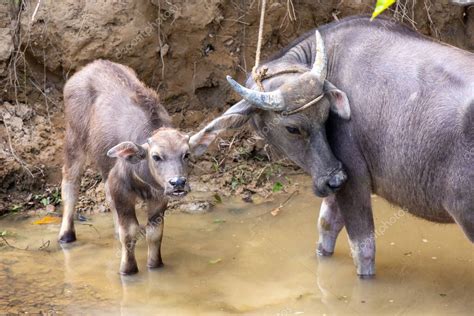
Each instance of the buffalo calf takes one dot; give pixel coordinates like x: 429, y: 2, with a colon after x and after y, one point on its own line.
x: 116, y: 122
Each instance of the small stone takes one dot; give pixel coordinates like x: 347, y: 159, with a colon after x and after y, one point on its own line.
x: 23, y: 111
x: 163, y: 50
x: 247, y: 198
x: 424, y: 240
x: 15, y: 123
x: 50, y: 208
x: 196, y: 207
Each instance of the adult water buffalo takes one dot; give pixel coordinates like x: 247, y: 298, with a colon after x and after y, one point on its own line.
x: 402, y: 125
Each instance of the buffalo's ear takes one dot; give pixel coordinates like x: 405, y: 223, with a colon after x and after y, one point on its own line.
x: 233, y: 118
x: 338, y: 99
x: 129, y: 151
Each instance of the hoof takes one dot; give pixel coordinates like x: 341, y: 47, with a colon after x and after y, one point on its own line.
x: 129, y: 271
x: 67, y: 237
x: 322, y: 252
x: 366, y: 276
x: 153, y: 266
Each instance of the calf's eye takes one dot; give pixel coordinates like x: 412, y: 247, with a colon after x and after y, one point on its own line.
x: 293, y: 130
x: 186, y: 156
x: 157, y: 158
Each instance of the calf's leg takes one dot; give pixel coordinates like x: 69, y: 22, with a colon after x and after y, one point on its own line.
x: 124, y: 206
x: 110, y: 203
x: 128, y: 230
x: 330, y: 223
x: 154, y: 232
x: 71, y: 172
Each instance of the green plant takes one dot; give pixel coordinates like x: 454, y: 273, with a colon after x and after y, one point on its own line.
x: 277, y: 187
x: 381, y: 6
x: 51, y: 196
x: 16, y: 208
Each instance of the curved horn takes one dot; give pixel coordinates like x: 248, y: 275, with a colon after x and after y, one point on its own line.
x: 264, y: 100
x: 320, y: 63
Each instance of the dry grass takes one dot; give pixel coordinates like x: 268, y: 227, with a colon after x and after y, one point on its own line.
x: 20, y: 76
x: 405, y: 11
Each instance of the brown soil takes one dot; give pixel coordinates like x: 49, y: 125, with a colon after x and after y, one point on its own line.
x: 183, y: 49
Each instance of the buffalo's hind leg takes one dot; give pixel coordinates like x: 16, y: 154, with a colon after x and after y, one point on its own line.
x: 466, y: 221
x: 330, y: 224
x: 71, y: 181
x: 461, y: 208
x: 459, y: 201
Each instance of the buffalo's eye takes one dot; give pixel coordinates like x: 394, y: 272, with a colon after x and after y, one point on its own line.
x: 186, y: 156
x: 157, y: 158
x: 293, y: 130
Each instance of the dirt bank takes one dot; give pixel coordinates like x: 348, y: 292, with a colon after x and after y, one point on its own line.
x: 183, y: 49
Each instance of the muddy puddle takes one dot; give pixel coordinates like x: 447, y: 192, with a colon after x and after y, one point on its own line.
x: 240, y: 259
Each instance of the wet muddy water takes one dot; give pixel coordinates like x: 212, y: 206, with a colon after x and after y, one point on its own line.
x: 241, y: 259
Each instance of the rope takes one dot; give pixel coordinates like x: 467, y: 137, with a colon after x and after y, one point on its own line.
x: 258, y: 75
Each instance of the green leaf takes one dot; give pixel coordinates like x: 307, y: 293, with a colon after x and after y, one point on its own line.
x: 381, y: 6
x: 277, y: 187
x: 219, y: 221
x: 235, y: 183
x: 215, y: 261
x: 16, y: 208
x: 45, y: 201
x: 218, y: 198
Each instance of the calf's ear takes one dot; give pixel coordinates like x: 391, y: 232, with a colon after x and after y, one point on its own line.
x: 129, y: 151
x: 338, y: 100
x: 233, y: 118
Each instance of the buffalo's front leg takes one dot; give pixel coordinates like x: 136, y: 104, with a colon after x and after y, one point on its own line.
x: 330, y: 224
x: 128, y: 228
x: 353, y: 201
x: 355, y: 206
x: 154, y: 232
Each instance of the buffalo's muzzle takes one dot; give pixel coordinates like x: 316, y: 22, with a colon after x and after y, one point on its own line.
x: 336, y: 181
x: 327, y: 185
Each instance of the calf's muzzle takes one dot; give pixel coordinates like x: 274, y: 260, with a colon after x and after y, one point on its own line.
x: 178, y: 186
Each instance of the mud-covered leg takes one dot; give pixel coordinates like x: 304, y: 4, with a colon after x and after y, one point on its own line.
x: 354, y: 203
x: 154, y: 232
x: 111, y: 205
x: 124, y: 206
x: 128, y: 230
x: 330, y: 224
x: 355, y: 206
x: 71, y: 172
